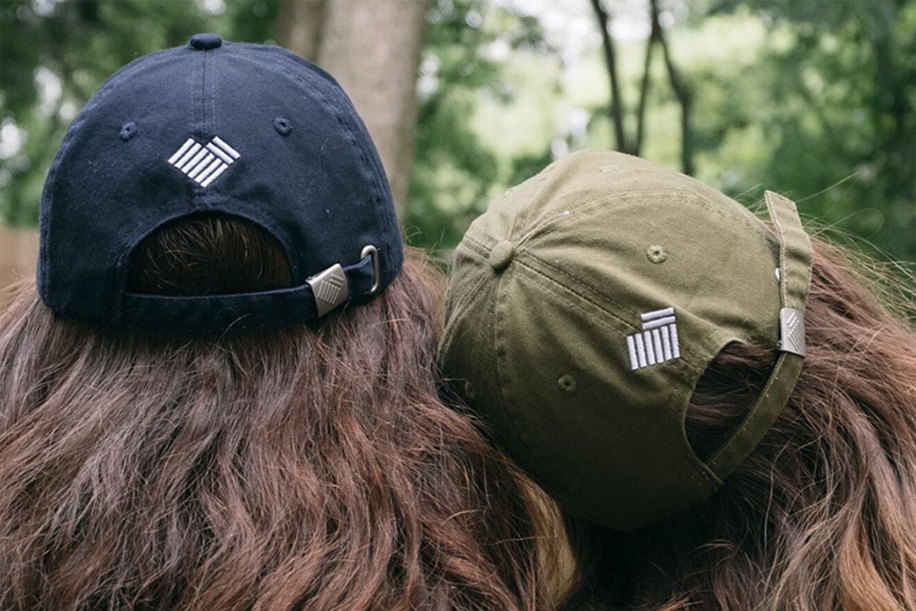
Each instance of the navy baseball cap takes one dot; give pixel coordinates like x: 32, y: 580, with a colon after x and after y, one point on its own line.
x: 250, y: 131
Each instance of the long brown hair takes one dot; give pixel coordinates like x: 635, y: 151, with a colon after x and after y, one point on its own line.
x: 822, y: 516
x: 311, y: 468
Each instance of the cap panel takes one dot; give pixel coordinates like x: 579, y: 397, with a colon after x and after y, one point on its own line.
x: 101, y: 187
x: 609, y: 442
x: 725, y: 289
x: 586, y: 176
x: 319, y: 187
x: 331, y: 207
x: 596, y: 253
x: 343, y: 191
x: 468, y: 351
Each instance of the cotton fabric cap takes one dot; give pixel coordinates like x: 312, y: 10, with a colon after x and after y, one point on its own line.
x: 585, y: 305
x: 249, y: 131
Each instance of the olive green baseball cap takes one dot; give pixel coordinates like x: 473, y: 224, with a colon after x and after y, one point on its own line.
x: 585, y: 305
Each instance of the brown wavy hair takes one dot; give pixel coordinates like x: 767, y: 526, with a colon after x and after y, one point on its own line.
x: 312, y: 468
x: 822, y: 516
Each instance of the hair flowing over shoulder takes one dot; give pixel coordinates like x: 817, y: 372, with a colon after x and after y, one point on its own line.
x: 309, y: 468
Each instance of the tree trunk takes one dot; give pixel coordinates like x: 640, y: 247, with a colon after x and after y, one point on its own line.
x: 300, y: 25
x: 18, y: 258
x: 610, y: 60
x: 373, y: 50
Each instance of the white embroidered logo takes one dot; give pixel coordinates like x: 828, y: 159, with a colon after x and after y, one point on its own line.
x: 203, y: 164
x: 658, y: 341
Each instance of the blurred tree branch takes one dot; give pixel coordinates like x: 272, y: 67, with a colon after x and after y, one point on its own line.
x: 680, y: 88
x: 610, y: 60
x: 681, y: 91
x: 654, y: 34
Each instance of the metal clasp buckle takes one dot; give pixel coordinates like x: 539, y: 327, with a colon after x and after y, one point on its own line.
x: 373, y: 252
x: 792, y: 331
x: 330, y: 288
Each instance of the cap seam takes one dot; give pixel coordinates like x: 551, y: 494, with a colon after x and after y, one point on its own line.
x: 541, y: 179
x: 505, y: 395
x: 583, y: 311
x: 504, y: 391
x: 212, y: 76
x: 692, y: 180
x: 200, y: 195
x: 542, y: 224
x: 698, y: 199
x: 470, y: 295
x: 597, y: 305
x: 592, y: 301
x: 484, y: 249
x: 697, y: 467
x: 359, y: 143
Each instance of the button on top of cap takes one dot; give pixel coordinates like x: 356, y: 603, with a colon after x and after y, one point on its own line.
x: 501, y: 256
x: 204, y: 42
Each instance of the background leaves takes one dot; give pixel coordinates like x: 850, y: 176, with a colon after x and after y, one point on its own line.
x: 813, y: 98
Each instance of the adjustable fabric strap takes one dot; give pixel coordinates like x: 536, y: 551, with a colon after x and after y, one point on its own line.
x: 241, y: 311
x: 795, y: 278
x: 794, y: 251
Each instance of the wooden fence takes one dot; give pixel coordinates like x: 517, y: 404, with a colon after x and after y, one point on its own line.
x: 18, y: 257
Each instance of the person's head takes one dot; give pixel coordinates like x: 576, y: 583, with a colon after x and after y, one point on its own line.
x: 311, y: 467
x: 635, y: 349
x: 221, y: 393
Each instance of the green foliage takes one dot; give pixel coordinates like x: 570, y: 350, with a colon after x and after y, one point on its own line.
x: 56, y: 53
x: 838, y: 112
x: 54, y: 56
x: 454, y: 171
x: 815, y: 98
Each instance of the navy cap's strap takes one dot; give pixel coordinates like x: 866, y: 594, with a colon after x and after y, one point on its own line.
x: 239, y: 311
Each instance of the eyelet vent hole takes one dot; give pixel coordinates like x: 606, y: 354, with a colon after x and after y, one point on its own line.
x: 283, y: 126
x: 568, y: 384
x: 128, y: 130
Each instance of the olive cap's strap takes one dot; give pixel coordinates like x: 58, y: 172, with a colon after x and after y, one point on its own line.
x: 794, y: 280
